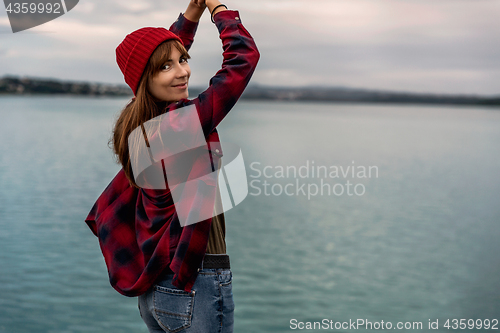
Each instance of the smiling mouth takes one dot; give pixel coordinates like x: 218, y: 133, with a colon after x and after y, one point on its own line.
x: 182, y: 85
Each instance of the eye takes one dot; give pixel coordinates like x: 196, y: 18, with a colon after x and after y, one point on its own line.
x: 182, y: 60
x: 166, y: 67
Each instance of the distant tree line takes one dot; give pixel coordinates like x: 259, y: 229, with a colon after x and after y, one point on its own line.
x: 22, y: 86
x: 362, y: 95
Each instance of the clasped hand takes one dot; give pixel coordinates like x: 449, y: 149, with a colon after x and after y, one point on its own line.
x: 198, y: 3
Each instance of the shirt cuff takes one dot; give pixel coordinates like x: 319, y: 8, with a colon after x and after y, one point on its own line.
x: 185, y: 27
x: 226, y: 17
x: 187, y: 24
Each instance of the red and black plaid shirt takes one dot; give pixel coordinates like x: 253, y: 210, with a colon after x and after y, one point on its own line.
x: 138, y: 229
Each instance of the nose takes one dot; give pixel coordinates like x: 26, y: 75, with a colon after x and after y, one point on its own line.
x: 182, y: 70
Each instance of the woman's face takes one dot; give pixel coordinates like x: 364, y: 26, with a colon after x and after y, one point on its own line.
x: 171, y: 83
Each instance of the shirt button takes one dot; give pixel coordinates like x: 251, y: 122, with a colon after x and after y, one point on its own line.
x: 198, y: 269
x: 236, y: 18
x: 216, y: 150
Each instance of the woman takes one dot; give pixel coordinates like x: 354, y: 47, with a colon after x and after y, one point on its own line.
x: 181, y: 273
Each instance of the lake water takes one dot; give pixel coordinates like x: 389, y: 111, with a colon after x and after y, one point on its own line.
x: 415, y: 240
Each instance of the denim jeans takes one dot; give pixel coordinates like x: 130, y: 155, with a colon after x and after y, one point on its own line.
x: 208, y: 308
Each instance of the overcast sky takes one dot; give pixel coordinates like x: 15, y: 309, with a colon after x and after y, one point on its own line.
x: 440, y: 46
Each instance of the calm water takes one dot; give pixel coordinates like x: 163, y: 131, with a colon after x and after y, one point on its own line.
x: 420, y: 243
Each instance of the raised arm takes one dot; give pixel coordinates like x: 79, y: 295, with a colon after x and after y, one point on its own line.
x: 186, y: 24
x: 240, y: 58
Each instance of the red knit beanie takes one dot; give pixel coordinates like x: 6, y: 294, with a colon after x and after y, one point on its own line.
x: 134, y: 51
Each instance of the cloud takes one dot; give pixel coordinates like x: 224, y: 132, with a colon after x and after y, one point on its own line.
x: 443, y: 45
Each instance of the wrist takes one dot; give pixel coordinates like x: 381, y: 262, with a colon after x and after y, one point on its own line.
x: 211, y: 4
x: 219, y: 7
x: 194, y: 12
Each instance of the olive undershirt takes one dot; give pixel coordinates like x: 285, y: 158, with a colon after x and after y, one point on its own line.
x: 216, y: 239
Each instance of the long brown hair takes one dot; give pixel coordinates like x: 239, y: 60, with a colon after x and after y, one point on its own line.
x: 143, y: 108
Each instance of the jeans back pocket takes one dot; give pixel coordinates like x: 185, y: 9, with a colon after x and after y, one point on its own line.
x: 173, y: 308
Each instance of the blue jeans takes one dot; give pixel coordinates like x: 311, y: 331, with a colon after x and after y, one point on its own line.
x: 208, y: 308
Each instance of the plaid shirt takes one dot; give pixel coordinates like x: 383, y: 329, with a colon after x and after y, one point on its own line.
x: 138, y: 229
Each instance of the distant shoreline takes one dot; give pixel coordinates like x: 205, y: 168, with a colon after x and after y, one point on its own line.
x: 12, y: 85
